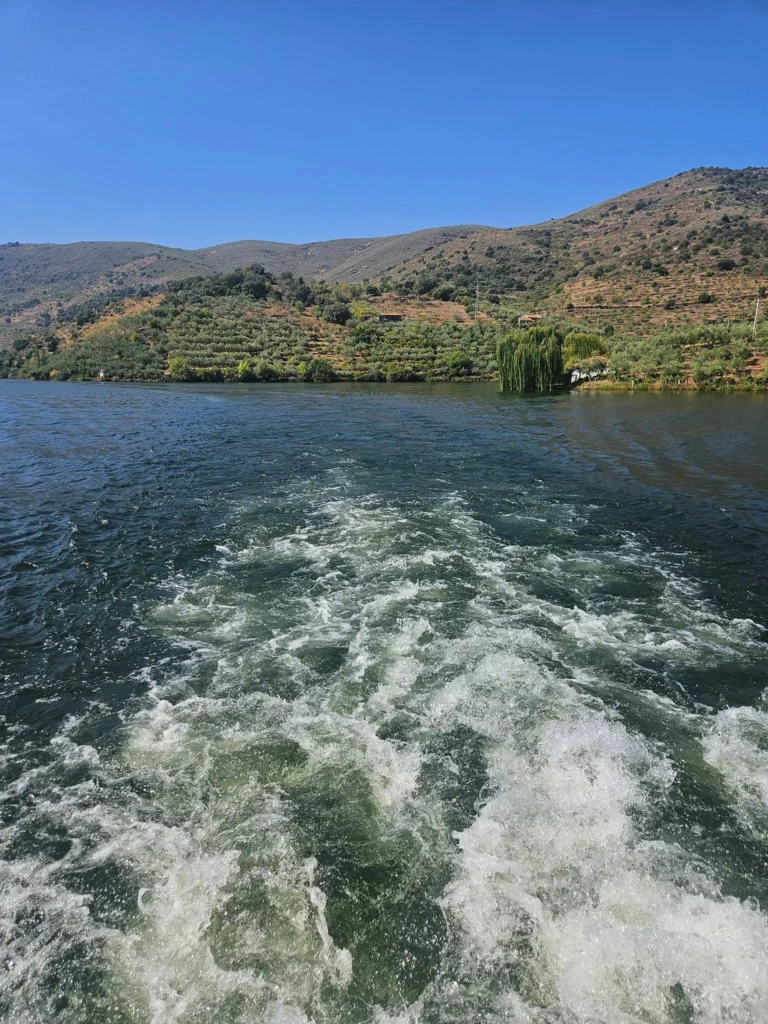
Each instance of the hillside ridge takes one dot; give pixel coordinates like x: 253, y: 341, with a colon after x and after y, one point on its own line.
x: 688, y: 249
x: 683, y: 250
x: 37, y: 276
x: 249, y: 325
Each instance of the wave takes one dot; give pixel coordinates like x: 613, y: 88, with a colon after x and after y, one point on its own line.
x: 402, y: 769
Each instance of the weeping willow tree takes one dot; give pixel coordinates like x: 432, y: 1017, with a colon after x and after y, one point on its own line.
x: 531, y: 360
x: 581, y: 345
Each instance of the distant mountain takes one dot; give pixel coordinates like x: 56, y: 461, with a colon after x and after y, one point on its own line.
x: 345, y: 259
x: 690, y: 249
x: 36, y: 278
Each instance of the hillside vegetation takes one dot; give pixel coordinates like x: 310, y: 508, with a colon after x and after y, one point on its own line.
x: 666, y: 277
x: 36, y: 281
x: 250, y: 325
x: 689, y: 250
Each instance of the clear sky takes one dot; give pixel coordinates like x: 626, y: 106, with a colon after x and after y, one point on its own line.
x: 191, y: 122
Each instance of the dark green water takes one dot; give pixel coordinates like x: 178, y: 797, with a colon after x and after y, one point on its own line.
x: 382, y: 704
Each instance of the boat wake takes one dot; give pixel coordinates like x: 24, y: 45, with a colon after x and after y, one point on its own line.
x: 400, y: 769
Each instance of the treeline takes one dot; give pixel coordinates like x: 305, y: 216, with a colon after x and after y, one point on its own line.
x: 333, y: 303
x: 711, y: 357
x: 249, y: 325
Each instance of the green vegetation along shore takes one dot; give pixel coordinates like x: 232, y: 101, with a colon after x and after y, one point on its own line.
x: 248, y: 325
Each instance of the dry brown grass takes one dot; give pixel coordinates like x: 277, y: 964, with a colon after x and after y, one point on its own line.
x: 126, y: 307
x: 553, y: 257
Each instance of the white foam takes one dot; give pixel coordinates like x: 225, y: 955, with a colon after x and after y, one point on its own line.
x: 614, y: 923
x: 736, y: 744
x: 560, y: 909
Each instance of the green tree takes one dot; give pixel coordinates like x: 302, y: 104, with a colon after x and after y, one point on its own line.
x: 459, y: 364
x: 265, y: 371
x: 362, y: 310
x: 320, y: 370
x: 336, y: 312
x: 179, y: 368
x: 531, y: 360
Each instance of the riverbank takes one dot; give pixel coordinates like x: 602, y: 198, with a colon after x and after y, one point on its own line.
x: 252, y: 327
x: 747, y: 387
x: 606, y: 385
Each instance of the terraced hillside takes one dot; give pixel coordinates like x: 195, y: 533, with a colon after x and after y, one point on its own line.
x: 691, y: 249
x: 645, y: 270
x: 250, y: 325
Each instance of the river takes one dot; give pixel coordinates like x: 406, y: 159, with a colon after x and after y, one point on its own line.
x: 387, y: 704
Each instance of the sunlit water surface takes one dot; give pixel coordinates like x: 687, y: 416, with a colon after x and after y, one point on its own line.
x: 382, y: 704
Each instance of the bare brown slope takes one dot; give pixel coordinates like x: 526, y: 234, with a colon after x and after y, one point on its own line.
x: 67, y: 271
x: 688, y: 249
x: 343, y: 259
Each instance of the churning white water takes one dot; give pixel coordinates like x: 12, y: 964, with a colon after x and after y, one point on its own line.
x: 398, y: 769
x: 382, y: 705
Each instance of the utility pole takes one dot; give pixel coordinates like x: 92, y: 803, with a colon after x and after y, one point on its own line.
x: 477, y: 297
x: 757, y: 310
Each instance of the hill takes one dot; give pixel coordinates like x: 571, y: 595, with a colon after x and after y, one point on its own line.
x: 37, y: 280
x: 345, y: 259
x: 688, y: 250
x: 661, y: 274
x: 250, y: 325
x: 691, y: 249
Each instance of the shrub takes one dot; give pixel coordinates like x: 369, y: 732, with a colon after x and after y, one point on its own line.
x: 459, y: 364
x: 396, y: 373
x: 336, y: 312
x: 705, y: 368
x: 179, y: 368
x: 266, y: 372
x: 362, y: 310
x: 705, y: 298
x: 319, y: 370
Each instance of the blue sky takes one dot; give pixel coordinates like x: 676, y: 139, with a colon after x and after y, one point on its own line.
x: 189, y: 122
